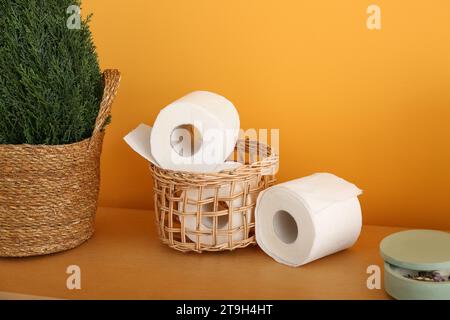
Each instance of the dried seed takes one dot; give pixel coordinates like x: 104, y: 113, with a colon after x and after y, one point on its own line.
x: 430, y: 276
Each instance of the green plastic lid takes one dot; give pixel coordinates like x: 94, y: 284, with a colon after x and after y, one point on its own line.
x: 420, y: 250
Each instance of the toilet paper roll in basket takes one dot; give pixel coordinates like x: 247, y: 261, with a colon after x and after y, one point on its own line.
x: 308, y: 218
x: 228, y: 196
x: 196, y: 133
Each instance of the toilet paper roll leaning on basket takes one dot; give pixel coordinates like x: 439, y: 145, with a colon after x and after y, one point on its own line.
x: 213, y: 211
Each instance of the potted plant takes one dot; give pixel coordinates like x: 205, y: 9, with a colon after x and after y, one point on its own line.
x: 54, y: 105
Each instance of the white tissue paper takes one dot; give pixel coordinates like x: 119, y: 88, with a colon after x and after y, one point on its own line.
x: 206, y: 224
x: 196, y: 133
x: 139, y: 141
x: 306, y: 219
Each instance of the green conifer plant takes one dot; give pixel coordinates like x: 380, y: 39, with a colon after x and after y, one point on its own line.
x: 51, y: 84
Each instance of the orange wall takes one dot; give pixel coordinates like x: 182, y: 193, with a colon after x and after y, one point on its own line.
x: 370, y: 106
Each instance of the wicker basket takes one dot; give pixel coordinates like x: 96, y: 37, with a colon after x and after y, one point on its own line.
x: 48, y: 194
x: 213, y: 212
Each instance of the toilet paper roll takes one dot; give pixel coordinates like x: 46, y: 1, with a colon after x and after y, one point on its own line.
x: 306, y: 219
x: 195, y: 133
x: 206, y: 224
x: 139, y: 141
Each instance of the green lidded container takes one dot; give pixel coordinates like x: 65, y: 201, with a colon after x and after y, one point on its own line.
x: 410, y: 252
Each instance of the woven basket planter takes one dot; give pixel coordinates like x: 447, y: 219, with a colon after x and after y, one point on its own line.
x: 213, y: 212
x: 48, y: 194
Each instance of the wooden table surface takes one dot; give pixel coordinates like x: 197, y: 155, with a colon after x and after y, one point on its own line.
x: 125, y: 260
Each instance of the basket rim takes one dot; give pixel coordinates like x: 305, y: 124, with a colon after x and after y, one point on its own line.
x: 246, y: 170
x: 44, y: 146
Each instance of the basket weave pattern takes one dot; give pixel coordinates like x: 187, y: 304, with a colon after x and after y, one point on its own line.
x: 48, y: 194
x: 190, y: 208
